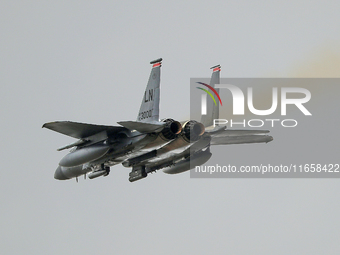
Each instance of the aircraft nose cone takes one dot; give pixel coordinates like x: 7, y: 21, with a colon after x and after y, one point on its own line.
x: 59, y: 175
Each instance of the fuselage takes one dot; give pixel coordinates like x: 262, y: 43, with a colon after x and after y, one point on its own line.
x: 132, y: 149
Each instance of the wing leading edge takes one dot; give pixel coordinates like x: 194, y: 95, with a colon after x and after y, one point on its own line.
x: 80, y: 130
x: 240, y: 139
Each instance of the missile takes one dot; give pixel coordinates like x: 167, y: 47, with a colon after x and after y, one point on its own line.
x: 137, y: 173
x: 96, y: 174
x: 84, y: 155
x: 140, y: 158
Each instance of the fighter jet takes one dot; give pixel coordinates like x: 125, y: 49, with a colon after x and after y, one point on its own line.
x: 147, y: 144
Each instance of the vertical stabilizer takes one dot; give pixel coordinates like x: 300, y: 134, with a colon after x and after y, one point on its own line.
x: 149, y: 109
x: 213, y: 106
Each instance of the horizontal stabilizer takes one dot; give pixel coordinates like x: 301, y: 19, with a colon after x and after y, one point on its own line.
x: 80, y: 130
x: 239, y: 132
x: 143, y: 127
x: 241, y: 139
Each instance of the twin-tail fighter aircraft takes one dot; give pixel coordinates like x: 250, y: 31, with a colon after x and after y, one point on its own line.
x: 147, y: 144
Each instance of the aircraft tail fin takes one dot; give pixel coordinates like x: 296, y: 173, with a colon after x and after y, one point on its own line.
x: 212, y: 104
x: 149, y: 109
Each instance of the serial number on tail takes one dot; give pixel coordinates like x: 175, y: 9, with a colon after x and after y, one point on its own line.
x: 145, y: 115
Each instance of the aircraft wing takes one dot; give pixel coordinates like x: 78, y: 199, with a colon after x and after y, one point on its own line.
x: 239, y: 139
x: 80, y: 130
x: 143, y: 127
x: 238, y: 132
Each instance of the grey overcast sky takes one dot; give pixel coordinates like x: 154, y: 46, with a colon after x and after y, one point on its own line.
x: 88, y: 61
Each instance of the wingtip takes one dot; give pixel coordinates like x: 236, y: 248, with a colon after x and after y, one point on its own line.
x: 270, y: 138
x: 48, y: 123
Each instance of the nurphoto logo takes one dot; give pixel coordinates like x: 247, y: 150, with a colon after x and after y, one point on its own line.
x: 238, y: 105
